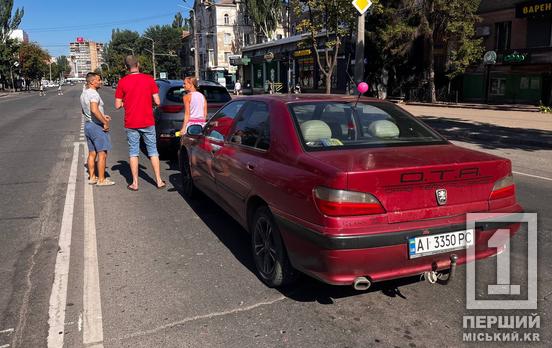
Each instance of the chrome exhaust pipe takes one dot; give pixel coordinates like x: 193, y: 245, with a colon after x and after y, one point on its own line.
x: 361, y: 283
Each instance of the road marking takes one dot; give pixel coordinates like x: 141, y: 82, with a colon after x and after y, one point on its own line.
x: 92, y: 334
x: 533, y: 176
x: 204, y: 316
x: 5, y: 346
x: 58, y: 297
x: 8, y: 331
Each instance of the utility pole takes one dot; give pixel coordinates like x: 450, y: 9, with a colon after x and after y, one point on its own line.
x: 359, y: 51
x: 152, y: 55
x: 50, y: 71
x: 196, y: 43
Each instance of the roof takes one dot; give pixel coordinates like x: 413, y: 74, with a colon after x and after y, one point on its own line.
x: 306, y: 97
x: 495, y: 5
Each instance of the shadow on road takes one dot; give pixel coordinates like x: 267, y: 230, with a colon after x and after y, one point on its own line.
x: 238, y: 241
x: 490, y: 136
x: 123, y: 167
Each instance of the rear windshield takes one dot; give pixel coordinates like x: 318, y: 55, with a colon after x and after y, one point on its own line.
x: 213, y: 94
x: 334, y: 125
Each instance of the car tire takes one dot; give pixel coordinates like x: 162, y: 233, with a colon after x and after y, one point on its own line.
x: 186, y: 180
x: 269, y: 253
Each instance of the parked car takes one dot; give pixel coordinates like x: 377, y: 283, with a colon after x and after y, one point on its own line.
x: 170, y: 113
x: 349, y: 194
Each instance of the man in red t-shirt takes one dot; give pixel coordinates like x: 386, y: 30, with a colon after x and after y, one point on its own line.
x: 134, y: 93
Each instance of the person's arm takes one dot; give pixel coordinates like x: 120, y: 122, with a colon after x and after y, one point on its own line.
x: 156, y: 99
x: 118, y: 103
x: 104, y: 119
x: 186, y: 99
x: 119, y: 96
x: 205, y: 108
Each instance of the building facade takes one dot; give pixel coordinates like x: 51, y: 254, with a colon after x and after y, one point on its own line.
x: 86, y: 56
x: 19, y: 35
x: 518, y: 41
x: 223, y: 30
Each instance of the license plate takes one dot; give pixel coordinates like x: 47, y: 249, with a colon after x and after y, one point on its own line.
x: 440, y: 243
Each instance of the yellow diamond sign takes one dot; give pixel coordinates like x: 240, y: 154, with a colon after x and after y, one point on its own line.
x: 362, y: 5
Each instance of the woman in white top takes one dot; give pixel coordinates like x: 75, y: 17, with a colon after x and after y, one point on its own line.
x: 195, y: 105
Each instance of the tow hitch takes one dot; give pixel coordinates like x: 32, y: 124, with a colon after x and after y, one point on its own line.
x: 444, y: 278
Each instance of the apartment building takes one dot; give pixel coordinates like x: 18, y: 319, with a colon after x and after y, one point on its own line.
x: 223, y: 30
x: 85, y: 56
x: 518, y: 40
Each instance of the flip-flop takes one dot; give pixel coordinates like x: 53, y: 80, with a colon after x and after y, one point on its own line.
x: 131, y: 188
x: 93, y: 181
x: 106, y: 182
x: 162, y: 186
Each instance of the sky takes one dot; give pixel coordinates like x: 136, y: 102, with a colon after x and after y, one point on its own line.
x: 53, y: 24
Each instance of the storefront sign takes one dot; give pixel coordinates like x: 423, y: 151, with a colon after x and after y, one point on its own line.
x: 235, y: 60
x: 515, y: 58
x: 302, y: 53
x: 535, y: 8
x: 269, y: 57
x: 245, y: 60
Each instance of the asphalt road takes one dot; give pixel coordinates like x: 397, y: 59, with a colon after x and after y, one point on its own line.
x: 174, y: 273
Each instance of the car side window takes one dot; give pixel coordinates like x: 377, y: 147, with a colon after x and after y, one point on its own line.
x: 252, y: 127
x: 219, y: 125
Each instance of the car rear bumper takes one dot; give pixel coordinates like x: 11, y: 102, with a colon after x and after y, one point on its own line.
x: 340, y: 258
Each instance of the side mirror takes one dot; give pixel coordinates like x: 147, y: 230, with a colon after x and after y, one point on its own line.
x: 195, y: 129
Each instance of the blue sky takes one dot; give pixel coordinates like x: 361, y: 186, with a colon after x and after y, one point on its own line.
x: 55, y: 23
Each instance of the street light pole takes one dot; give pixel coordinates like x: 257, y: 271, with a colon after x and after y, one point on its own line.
x: 152, y: 55
x: 50, y: 71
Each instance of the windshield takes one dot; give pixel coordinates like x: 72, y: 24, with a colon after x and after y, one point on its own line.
x: 333, y: 125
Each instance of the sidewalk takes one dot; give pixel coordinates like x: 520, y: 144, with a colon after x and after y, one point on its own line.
x: 513, y: 127
x: 502, y: 107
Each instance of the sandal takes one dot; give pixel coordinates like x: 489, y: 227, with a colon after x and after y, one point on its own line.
x: 106, y: 182
x: 93, y: 181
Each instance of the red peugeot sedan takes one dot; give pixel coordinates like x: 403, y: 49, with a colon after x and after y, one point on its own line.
x: 348, y: 193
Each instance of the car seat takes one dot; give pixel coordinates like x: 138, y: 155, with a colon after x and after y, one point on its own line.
x: 315, y: 131
x: 384, y: 129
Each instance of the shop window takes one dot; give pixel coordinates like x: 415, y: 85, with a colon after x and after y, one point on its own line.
x: 498, y: 86
x: 226, y: 19
x: 306, y: 72
x: 535, y: 83
x: 502, y: 35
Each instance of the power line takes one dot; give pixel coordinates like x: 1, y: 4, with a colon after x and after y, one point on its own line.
x: 96, y: 25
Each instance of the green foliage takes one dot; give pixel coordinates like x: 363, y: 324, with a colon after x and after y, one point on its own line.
x: 168, y: 42
x: 265, y: 15
x: 33, y: 61
x: 327, y: 22
x: 117, y: 49
x: 545, y: 109
x: 178, y: 21
x: 8, y: 22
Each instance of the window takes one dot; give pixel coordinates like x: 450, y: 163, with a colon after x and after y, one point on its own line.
x: 498, y: 86
x: 247, y: 39
x: 339, y: 125
x: 252, y: 127
x: 502, y: 35
x: 227, y: 38
x: 539, y: 33
x: 215, y: 94
x: 219, y: 125
x: 226, y: 19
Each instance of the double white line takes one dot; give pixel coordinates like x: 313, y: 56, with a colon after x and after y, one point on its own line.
x: 92, y: 309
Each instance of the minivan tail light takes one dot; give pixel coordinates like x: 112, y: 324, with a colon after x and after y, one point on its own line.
x: 172, y: 108
x: 503, y: 188
x: 346, y: 203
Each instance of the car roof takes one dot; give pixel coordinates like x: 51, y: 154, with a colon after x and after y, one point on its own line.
x: 294, y: 98
x: 179, y: 83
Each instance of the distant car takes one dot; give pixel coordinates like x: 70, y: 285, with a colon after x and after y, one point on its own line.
x: 350, y: 194
x: 170, y: 114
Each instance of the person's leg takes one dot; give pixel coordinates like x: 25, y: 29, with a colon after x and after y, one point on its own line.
x: 102, y: 156
x: 151, y: 146
x: 92, y: 166
x: 133, y: 138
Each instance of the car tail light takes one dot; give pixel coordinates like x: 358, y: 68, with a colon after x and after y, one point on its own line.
x: 172, y: 108
x: 346, y: 203
x: 504, y: 187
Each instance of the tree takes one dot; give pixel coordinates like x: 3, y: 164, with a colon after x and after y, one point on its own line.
x: 33, y: 61
x: 265, y: 15
x: 7, y: 22
x: 178, y: 21
x: 327, y: 22
x: 63, y: 67
x: 168, y: 42
x: 121, y: 44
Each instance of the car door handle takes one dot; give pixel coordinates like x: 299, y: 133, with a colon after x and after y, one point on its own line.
x: 250, y: 167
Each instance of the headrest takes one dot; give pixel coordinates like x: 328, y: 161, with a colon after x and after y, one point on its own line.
x: 315, y: 130
x: 384, y: 129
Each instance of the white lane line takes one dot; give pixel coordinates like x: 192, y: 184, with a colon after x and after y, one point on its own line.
x: 92, y: 305
x: 5, y: 346
x: 58, y: 297
x: 8, y: 331
x: 533, y: 176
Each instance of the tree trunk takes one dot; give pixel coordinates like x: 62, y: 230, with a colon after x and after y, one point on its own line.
x: 329, y: 83
x: 431, y: 69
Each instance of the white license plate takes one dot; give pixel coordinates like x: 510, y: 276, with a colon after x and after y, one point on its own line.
x: 440, y: 243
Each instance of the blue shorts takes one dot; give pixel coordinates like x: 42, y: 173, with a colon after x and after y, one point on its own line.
x: 133, y: 138
x: 97, y: 139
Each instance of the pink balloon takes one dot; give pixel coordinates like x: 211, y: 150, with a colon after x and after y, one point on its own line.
x: 362, y: 87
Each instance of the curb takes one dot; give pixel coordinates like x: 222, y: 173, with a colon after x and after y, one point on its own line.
x: 528, y: 108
